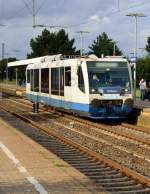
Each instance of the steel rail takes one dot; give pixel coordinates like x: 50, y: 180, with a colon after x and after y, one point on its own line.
x: 98, y: 157
x: 101, y: 126
x: 137, y: 128
x: 106, y: 128
x: 10, y: 89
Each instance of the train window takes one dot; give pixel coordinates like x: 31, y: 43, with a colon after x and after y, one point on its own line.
x: 67, y: 76
x: 61, y: 81
x: 55, y: 81
x: 45, y: 80
x: 28, y: 76
x: 32, y: 80
x: 81, y: 84
x: 36, y: 80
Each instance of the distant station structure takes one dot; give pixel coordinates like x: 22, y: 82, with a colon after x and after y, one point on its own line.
x: 34, y: 60
x: 26, y: 62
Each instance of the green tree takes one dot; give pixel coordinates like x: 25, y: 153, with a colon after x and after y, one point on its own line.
x: 148, y: 45
x: 143, y: 69
x: 51, y: 43
x: 3, y: 67
x: 104, y: 45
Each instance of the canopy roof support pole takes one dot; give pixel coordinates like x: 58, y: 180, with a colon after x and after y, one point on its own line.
x: 16, y: 76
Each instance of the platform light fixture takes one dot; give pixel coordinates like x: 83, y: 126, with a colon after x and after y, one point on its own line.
x: 81, y: 32
x: 135, y: 15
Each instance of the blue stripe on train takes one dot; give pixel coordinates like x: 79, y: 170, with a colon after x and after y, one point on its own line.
x: 58, y: 103
x: 84, y: 109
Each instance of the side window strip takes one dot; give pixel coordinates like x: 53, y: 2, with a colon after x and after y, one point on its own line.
x: 81, y: 84
x: 67, y: 76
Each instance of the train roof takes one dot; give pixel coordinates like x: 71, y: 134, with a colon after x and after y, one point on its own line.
x: 34, y: 60
x: 41, y: 61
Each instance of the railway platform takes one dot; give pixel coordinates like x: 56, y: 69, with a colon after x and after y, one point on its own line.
x: 144, y: 116
x: 28, y: 168
x: 142, y: 104
x: 13, y: 89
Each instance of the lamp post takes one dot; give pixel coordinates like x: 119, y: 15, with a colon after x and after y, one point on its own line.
x: 114, y: 50
x: 81, y: 32
x: 135, y: 15
x: 7, y: 54
x: 118, y: 5
x: 16, y: 69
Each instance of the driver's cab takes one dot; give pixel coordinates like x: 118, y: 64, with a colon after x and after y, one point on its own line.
x: 108, y: 74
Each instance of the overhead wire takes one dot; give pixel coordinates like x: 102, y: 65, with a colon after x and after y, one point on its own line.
x: 41, y: 5
x: 15, y: 13
x: 27, y: 6
x: 134, y: 6
x: 38, y: 9
x: 119, y: 10
x: 19, y: 12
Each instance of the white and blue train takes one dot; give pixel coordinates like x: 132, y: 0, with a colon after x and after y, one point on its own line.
x: 88, y: 86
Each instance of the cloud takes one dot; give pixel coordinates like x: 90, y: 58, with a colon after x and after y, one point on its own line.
x: 106, y: 20
x: 95, y: 16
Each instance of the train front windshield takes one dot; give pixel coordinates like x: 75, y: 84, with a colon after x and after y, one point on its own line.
x: 108, y: 74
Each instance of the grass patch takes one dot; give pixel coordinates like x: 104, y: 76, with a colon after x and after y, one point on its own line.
x: 138, y: 93
x: 4, y: 81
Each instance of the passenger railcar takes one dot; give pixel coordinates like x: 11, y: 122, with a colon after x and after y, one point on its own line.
x: 88, y: 86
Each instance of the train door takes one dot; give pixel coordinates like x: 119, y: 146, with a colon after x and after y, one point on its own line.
x: 45, y: 86
x: 61, y: 85
x: 67, y: 87
x: 28, y: 80
x: 57, y: 86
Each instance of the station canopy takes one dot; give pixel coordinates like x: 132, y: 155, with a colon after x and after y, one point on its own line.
x: 43, y: 59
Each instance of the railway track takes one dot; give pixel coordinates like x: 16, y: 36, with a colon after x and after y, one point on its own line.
x: 110, y: 175
x: 103, y: 172
x: 127, y: 131
x: 129, y: 153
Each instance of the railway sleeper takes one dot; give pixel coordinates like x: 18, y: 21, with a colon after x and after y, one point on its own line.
x: 59, y: 149
x: 95, y: 167
x: 113, y: 180
x: 87, y: 165
x: 78, y: 159
x: 62, y: 149
x: 118, y: 184
x: 97, y: 178
x: 71, y: 157
x: 124, y: 188
x: 41, y: 139
x: 71, y: 154
x: 98, y: 169
x: 52, y: 145
x: 110, y: 176
x: 105, y: 172
x: 143, y: 191
x: 78, y: 162
x: 67, y: 152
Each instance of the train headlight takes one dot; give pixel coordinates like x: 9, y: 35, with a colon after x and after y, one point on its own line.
x: 124, y: 91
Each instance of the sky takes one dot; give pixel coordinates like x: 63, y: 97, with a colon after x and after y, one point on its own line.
x: 93, y: 16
